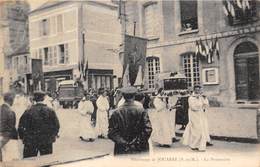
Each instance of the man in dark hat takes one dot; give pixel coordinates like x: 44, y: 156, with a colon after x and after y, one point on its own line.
x: 7, y: 122
x: 129, y: 126
x: 38, y: 127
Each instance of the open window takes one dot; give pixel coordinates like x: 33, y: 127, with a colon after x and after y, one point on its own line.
x: 189, y: 15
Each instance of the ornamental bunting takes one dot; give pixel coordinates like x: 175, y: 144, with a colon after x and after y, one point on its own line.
x: 207, y: 50
x: 239, y: 9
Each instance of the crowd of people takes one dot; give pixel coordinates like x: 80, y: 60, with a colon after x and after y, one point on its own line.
x: 133, y: 119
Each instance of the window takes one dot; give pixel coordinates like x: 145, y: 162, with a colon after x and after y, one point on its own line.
x: 151, y: 24
x: 15, y: 62
x: 25, y: 59
x: 50, y: 56
x: 44, y: 27
x: 60, y: 23
x: 46, y: 56
x: 66, y: 54
x: 61, y: 54
x: 153, y: 65
x: 191, y: 69
x: 189, y: 15
x: 54, y: 55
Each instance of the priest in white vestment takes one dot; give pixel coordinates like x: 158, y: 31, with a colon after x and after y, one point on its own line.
x: 102, y: 114
x: 196, y: 132
x: 86, y: 108
x: 163, y: 134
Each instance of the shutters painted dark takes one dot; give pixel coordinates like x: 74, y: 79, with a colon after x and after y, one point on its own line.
x: 253, y: 78
x: 241, y: 74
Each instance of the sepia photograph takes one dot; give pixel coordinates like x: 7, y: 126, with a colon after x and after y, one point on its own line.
x: 86, y: 83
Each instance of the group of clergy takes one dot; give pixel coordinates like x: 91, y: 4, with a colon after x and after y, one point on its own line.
x: 88, y: 132
x: 165, y: 115
x: 189, y: 110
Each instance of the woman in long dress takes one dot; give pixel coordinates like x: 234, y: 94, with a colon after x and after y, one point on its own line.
x: 86, y: 108
x: 196, y: 132
x: 163, y: 134
x: 102, y: 114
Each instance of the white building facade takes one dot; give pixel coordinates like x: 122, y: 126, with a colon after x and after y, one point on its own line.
x: 62, y: 33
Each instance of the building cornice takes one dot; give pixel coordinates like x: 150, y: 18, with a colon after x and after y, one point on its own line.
x: 219, y: 35
x: 111, y: 6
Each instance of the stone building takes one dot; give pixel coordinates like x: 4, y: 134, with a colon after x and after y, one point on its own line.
x: 172, y: 29
x: 14, y: 42
x: 63, y: 33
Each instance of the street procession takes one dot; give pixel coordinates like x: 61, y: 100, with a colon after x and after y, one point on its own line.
x: 149, y: 82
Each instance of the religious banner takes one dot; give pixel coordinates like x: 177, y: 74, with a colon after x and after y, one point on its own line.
x: 37, y: 75
x: 134, y: 56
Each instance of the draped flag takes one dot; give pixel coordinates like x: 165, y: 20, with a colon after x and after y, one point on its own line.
x: 237, y: 9
x: 139, y: 78
x: 239, y: 4
x: 126, y: 81
x: 134, y: 56
x: 207, y: 50
x: 83, y: 69
x: 37, y: 75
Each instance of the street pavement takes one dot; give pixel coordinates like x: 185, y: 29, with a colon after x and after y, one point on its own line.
x: 70, y: 151
x: 222, y: 153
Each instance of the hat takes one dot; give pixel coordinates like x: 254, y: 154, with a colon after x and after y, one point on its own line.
x: 128, y: 90
x: 9, y: 96
x: 38, y: 95
x: 101, y: 90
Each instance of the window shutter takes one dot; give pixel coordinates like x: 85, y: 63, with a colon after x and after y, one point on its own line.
x: 66, y: 53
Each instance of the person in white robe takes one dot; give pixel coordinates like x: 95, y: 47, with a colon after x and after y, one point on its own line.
x: 205, y: 108
x: 196, y: 133
x: 163, y: 134
x: 172, y: 100
x: 21, y: 103
x: 86, y: 108
x: 102, y: 114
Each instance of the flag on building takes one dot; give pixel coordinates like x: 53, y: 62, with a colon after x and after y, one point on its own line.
x: 126, y: 81
x: 134, y: 56
x: 37, y: 75
x: 139, y: 78
x: 232, y: 10
x: 217, y: 48
x: 239, y: 4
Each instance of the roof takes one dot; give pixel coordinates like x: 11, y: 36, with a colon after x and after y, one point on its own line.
x: 51, y: 3
x: 48, y: 4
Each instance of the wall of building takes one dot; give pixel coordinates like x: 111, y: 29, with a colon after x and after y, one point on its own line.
x: 103, y: 37
x: 68, y: 35
x: 96, y: 22
x: 13, y: 35
x: 212, y: 22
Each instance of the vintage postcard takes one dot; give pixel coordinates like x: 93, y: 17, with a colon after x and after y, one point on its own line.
x: 130, y: 83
